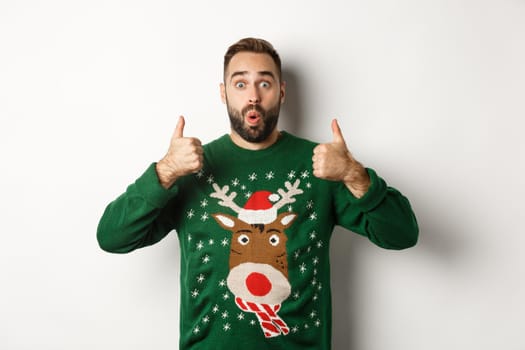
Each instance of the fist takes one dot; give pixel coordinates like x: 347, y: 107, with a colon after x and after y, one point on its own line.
x: 184, y: 157
x: 333, y: 161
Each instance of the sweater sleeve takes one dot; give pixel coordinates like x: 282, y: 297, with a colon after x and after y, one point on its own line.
x: 383, y: 214
x: 138, y: 217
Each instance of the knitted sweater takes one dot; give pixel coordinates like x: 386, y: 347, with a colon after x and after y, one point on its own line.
x: 254, y: 229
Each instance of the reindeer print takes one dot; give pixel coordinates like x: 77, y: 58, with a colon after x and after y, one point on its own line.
x: 258, y: 261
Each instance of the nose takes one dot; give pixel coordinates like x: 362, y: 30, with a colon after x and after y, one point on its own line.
x: 258, y: 284
x: 254, y: 96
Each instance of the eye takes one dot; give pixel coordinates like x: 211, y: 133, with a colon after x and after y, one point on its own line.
x: 264, y: 84
x: 240, y: 85
x: 243, y: 239
x: 274, y: 240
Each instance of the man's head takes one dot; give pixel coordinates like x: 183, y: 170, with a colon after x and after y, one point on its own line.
x: 253, y: 91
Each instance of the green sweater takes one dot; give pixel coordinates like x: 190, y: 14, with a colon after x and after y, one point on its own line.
x: 254, y: 229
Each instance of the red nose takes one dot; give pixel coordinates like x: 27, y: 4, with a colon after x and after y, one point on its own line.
x: 258, y: 284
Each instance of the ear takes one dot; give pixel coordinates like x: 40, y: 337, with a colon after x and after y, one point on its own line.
x: 283, y: 91
x: 286, y: 219
x: 223, y: 93
x: 226, y: 221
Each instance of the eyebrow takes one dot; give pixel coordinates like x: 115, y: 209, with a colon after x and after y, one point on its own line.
x: 244, y: 72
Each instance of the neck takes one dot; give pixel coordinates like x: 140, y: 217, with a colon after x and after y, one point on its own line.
x: 255, y: 146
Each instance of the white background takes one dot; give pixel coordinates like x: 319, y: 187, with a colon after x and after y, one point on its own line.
x: 429, y: 93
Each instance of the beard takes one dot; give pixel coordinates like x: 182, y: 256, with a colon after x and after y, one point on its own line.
x: 260, y: 132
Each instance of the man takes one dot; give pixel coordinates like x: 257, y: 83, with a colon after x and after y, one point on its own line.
x: 254, y: 212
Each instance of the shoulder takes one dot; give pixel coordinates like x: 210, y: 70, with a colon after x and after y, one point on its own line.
x: 296, y: 143
x: 219, y: 142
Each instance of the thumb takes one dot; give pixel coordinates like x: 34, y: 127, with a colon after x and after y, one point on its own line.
x: 179, y: 129
x: 336, y: 131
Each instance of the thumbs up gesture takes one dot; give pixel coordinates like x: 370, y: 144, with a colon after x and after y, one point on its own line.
x: 184, y: 157
x: 333, y: 161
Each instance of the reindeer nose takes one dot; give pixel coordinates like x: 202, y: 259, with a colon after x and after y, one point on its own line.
x: 258, y: 284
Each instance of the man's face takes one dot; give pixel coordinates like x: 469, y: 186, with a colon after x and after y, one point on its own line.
x: 253, y: 94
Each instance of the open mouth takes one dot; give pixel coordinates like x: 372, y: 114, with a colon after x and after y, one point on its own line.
x: 253, y: 117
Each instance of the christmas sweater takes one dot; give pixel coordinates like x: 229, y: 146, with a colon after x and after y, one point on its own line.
x: 254, y: 229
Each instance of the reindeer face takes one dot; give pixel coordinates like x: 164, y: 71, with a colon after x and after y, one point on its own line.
x: 258, y: 260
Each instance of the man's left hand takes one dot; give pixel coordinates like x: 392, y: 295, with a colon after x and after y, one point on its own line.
x: 333, y: 161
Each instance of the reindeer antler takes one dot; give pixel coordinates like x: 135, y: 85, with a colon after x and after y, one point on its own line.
x: 287, y: 197
x: 225, y: 200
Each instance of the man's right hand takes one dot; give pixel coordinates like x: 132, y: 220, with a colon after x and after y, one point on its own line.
x: 184, y: 157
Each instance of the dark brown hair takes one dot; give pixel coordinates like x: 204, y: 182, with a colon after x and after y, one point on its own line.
x: 252, y: 45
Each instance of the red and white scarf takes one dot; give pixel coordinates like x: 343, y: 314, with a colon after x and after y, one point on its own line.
x: 271, y: 324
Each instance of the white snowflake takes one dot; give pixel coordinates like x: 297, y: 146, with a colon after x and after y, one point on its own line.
x: 296, y: 254
x: 211, y: 242
x: 225, y: 315
x: 240, y: 316
x: 215, y: 309
x: 200, y: 174
x: 205, y: 216
x: 253, y: 323
x: 308, y: 185
x: 248, y: 194
x: 320, y: 244
x: 291, y: 174
x: 315, y: 297
x: 302, y: 268
x: 314, y: 282
x: 204, y: 203
x: 313, y: 216
x: 315, y: 272
x: 295, y: 329
x: 290, y: 208
x: 200, y: 245
x: 313, y: 314
x: 313, y: 235
x: 210, y: 179
x: 226, y: 296
x: 243, y: 187
x: 201, y: 278
x: 316, y: 260
x: 195, y: 293
x: 252, y: 177
x: 206, y: 319
x: 206, y: 259
x: 296, y: 295
x: 305, y: 174
x: 319, y: 286
x: 222, y: 283
x: 309, y: 204
x: 196, y: 330
x: 270, y: 175
x: 226, y: 327
x: 190, y: 214
x: 224, y: 242
x: 189, y: 238
x: 317, y: 323
x: 306, y: 326
x: 235, y: 182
